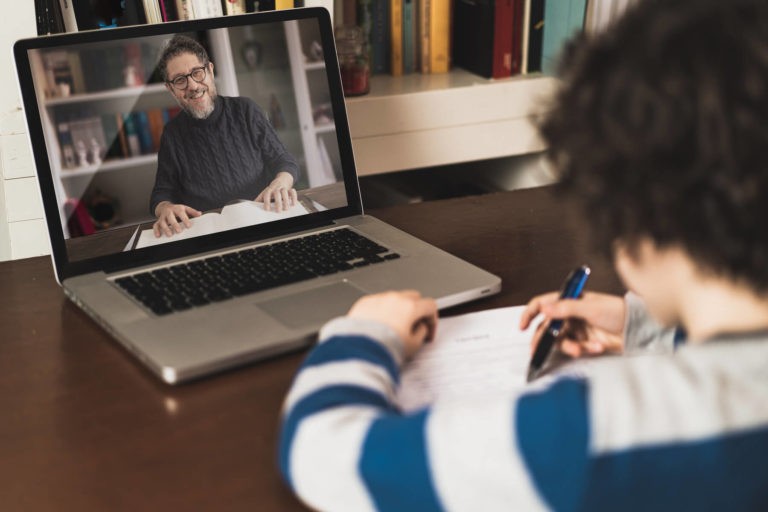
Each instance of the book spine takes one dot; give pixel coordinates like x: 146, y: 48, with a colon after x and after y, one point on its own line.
x: 424, y: 37
x: 131, y: 135
x: 525, y: 36
x: 380, y: 37
x: 409, y: 36
x: 235, y: 7
x: 168, y: 9
x: 284, y: 4
x: 502, y: 39
x: 76, y: 68
x: 68, y: 15
x: 473, y: 34
x: 350, y: 13
x: 156, y: 123
x: 185, y: 10
x: 535, y: 35
x: 214, y: 9
x: 439, y: 36
x: 517, y: 36
x: 396, y: 34
x: 149, y: 11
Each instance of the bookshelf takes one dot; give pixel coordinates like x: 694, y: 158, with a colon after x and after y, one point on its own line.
x: 313, y: 105
x: 416, y: 121
x: 98, y: 97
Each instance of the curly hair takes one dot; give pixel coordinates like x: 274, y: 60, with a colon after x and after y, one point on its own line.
x: 174, y: 47
x: 661, y: 131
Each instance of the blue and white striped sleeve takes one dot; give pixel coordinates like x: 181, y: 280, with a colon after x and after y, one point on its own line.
x: 345, y: 445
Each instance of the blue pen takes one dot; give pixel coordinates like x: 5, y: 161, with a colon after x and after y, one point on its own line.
x: 572, y: 289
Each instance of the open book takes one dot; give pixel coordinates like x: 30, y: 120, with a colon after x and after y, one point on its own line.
x: 232, y: 216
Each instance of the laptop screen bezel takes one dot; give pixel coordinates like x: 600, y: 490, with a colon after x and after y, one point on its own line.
x: 146, y: 256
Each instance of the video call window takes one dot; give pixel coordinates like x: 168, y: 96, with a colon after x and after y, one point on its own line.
x: 105, y: 108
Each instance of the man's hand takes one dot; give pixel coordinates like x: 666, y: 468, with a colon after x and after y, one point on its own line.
x: 411, y: 316
x: 280, y: 191
x: 594, y: 323
x: 172, y: 218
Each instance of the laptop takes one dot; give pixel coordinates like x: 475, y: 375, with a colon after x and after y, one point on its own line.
x: 245, y: 282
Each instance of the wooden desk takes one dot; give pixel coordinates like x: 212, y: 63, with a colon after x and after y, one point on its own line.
x: 86, y: 428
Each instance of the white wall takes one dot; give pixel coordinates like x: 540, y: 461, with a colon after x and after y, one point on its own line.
x: 22, y: 228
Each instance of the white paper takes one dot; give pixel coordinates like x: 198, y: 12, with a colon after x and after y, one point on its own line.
x: 473, y: 354
x: 233, y: 216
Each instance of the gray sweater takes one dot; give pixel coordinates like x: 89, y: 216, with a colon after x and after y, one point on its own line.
x: 232, y: 154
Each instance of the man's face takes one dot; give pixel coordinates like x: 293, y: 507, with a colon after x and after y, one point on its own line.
x: 197, y: 98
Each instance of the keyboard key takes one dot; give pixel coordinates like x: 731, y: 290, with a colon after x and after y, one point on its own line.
x: 218, y: 278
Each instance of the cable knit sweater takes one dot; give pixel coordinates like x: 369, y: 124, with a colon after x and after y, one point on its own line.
x: 232, y: 154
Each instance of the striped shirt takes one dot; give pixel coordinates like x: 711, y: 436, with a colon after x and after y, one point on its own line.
x: 651, y: 430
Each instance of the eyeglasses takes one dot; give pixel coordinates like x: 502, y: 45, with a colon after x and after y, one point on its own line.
x: 181, y: 82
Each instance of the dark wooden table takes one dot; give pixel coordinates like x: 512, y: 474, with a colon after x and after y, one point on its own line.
x: 84, y: 427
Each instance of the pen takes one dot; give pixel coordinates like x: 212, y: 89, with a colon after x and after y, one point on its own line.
x: 572, y: 288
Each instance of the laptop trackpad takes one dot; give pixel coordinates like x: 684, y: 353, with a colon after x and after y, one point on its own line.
x: 312, y: 307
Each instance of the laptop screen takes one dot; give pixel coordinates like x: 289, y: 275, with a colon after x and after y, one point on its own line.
x: 159, y: 135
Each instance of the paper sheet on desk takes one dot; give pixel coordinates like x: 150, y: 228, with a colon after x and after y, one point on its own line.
x: 472, y: 354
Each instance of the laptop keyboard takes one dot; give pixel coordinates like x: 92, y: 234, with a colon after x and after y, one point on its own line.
x: 218, y: 278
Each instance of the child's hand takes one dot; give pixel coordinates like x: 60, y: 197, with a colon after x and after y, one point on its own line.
x: 410, y: 315
x: 594, y: 323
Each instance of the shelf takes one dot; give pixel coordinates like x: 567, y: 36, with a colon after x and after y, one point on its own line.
x: 417, y: 121
x: 110, y: 165
x: 314, y: 65
x: 111, y: 94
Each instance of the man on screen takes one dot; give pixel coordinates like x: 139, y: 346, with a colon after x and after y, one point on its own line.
x: 218, y: 149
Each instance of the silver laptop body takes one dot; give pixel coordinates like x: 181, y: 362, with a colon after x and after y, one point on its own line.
x: 203, y: 340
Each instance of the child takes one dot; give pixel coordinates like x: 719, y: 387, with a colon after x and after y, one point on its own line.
x: 659, y: 133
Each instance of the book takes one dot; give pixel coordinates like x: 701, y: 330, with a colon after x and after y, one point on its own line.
x: 536, y: 35
x: 125, y: 152
x: 524, y: 36
x: 185, y: 10
x: 65, y: 145
x: 152, y: 11
x: 410, y: 55
x: 284, y: 4
x: 379, y: 38
x: 517, y: 36
x: 76, y: 70
x: 439, y: 36
x: 234, y: 7
x: 423, y: 35
x: 473, y: 36
x: 396, y: 37
x: 111, y: 137
x: 504, y: 12
x: 156, y: 125
x: 131, y: 136
x: 233, y: 216
x: 141, y: 124
x: 168, y: 10
x: 564, y: 20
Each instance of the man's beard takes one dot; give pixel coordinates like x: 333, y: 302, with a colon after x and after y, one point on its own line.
x: 207, y: 110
